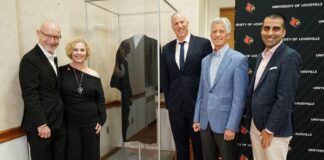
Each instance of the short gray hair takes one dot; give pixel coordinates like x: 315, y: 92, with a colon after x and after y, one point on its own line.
x: 178, y: 13
x: 221, y: 20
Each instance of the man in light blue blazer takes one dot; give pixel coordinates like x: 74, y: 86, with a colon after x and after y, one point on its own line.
x: 221, y: 96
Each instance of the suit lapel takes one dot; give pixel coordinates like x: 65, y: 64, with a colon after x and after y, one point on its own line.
x: 207, y: 69
x: 45, y: 61
x: 58, y: 77
x: 172, y: 51
x: 273, y: 59
x: 190, y: 48
x: 257, y: 63
x: 222, y: 66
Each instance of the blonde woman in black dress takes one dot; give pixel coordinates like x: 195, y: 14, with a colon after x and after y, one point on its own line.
x: 84, y: 101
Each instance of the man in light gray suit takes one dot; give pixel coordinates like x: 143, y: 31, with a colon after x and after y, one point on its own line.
x: 221, y: 96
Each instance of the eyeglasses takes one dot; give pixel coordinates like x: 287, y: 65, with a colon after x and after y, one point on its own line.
x: 47, y: 36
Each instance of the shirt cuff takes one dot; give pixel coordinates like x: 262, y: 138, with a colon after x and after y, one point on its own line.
x: 42, y: 125
x: 268, y: 131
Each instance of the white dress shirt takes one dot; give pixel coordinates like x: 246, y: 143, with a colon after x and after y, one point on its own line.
x: 50, y: 57
x: 186, y: 46
x: 216, y: 60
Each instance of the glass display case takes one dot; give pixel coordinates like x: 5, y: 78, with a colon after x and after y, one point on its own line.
x: 126, y: 36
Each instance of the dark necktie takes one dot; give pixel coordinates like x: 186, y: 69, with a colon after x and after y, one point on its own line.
x: 55, y: 61
x: 181, y: 58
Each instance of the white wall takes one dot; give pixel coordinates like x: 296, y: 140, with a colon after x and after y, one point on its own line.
x: 10, y: 102
x: 15, y: 149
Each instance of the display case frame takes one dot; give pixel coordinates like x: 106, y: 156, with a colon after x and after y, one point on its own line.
x: 110, y: 24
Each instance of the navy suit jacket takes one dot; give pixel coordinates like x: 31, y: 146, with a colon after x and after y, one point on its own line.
x: 181, y: 86
x: 271, y: 103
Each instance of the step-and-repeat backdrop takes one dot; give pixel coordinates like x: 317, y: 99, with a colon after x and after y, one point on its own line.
x: 305, y: 33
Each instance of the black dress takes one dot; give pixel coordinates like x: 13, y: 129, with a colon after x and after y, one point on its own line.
x: 82, y: 112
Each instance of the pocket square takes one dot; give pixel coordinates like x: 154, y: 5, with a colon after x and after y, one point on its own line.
x: 272, y: 68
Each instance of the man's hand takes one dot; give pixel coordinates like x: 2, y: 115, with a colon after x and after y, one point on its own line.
x: 196, y: 127
x: 98, y: 128
x: 229, y: 135
x: 266, y: 138
x: 44, y: 131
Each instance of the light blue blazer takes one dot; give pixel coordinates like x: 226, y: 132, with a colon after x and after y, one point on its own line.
x: 222, y: 104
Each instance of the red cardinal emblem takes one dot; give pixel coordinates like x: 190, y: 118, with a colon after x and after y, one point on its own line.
x: 294, y: 22
x: 244, y: 131
x: 243, y: 157
x: 249, y: 7
x: 248, y: 40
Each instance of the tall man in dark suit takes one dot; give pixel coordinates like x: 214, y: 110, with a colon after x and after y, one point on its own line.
x: 180, y: 72
x: 43, y: 112
x: 271, y: 93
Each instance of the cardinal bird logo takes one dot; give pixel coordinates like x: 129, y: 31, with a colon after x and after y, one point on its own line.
x: 244, y: 131
x: 249, y: 7
x: 248, y: 40
x: 294, y: 22
x: 243, y: 157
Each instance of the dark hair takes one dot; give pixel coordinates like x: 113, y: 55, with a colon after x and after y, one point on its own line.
x: 277, y: 16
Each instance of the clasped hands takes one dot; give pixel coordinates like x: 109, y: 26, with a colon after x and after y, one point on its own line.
x: 45, y: 132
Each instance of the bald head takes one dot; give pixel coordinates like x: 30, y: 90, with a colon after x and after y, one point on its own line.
x: 50, y: 25
x: 49, y: 35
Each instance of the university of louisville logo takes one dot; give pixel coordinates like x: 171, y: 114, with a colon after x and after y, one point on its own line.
x: 294, y: 22
x: 244, y: 131
x: 249, y: 7
x: 248, y: 40
x: 243, y: 157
